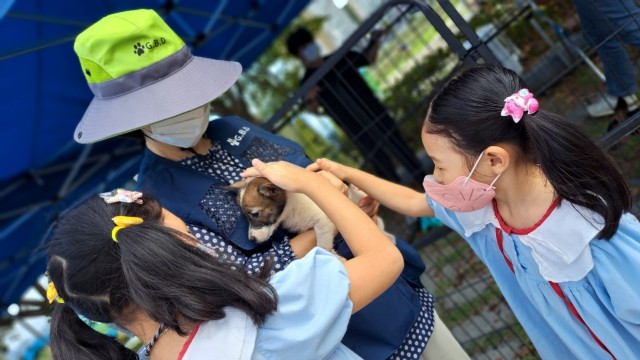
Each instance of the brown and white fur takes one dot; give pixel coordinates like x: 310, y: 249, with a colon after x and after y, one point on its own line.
x: 268, y: 207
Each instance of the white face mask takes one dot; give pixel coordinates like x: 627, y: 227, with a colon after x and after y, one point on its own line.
x: 184, y: 130
x: 310, y: 52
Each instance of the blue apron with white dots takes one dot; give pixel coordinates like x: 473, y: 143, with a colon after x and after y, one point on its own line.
x: 375, y: 331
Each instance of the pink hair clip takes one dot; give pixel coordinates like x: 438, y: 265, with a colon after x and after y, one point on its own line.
x: 516, y: 104
x: 122, y: 195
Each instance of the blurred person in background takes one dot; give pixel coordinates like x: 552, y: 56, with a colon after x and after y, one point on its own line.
x: 346, y: 97
x: 599, y: 20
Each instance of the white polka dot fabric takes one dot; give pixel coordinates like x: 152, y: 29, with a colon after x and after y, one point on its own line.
x: 265, y: 151
x: 221, y: 206
x: 416, y: 340
x: 279, y: 254
x: 217, y: 163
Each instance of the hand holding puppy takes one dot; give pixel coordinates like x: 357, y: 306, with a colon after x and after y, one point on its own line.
x: 367, y: 203
x: 290, y: 177
x: 370, y: 206
x: 285, y: 175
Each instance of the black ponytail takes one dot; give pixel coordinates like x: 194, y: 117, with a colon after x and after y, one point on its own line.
x: 71, y: 338
x: 578, y: 169
x: 467, y: 110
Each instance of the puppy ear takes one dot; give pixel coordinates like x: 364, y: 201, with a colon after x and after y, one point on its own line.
x: 236, y: 186
x: 268, y: 190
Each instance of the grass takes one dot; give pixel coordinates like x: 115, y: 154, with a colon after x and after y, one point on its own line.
x: 463, y: 311
x: 487, y: 342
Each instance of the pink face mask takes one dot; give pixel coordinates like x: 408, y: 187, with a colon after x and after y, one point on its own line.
x: 463, y: 194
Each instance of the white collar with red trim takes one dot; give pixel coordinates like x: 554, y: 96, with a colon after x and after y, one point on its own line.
x: 233, y: 337
x: 559, y: 245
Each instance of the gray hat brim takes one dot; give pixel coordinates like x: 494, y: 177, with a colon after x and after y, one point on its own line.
x: 196, y: 84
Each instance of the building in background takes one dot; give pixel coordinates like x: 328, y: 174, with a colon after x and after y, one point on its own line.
x: 340, y: 21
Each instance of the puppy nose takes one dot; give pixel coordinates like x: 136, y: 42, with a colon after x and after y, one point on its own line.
x: 252, y: 238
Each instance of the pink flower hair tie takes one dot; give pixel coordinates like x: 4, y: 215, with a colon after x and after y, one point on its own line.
x: 122, y: 195
x: 516, y: 104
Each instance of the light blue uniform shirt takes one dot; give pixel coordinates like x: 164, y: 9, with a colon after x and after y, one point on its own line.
x: 312, y: 317
x: 313, y: 311
x: 601, y: 278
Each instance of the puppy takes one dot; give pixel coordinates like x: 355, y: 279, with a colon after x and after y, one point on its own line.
x: 268, y: 207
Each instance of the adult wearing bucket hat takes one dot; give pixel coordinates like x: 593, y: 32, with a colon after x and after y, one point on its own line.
x: 146, y: 82
x: 141, y: 72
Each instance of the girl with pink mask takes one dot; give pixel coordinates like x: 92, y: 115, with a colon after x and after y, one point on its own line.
x: 541, y: 205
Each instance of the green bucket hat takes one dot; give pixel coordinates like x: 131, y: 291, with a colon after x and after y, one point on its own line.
x: 141, y: 72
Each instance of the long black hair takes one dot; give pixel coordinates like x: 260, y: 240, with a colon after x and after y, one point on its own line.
x: 467, y: 111
x: 151, y: 268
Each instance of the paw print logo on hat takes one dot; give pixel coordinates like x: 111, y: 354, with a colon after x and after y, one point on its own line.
x: 138, y: 49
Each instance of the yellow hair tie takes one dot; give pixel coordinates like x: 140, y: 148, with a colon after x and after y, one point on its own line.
x: 52, y: 294
x: 123, y: 222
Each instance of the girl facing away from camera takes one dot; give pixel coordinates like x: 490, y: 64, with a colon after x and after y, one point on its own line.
x: 126, y: 260
x: 541, y: 205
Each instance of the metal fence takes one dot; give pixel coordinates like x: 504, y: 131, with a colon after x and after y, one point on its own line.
x: 426, y: 43
x: 361, y: 126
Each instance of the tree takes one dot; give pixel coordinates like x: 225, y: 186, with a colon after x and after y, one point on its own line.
x: 269, y: 81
